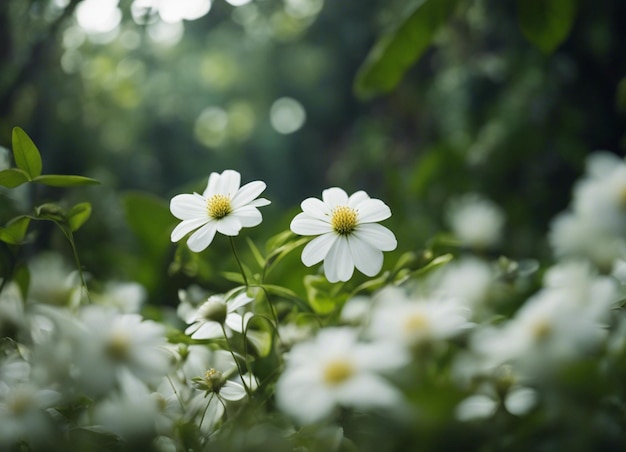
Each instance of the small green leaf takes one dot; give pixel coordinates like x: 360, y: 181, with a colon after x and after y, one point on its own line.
x: 13, y: 177
x: 25, y: 153
x: 321, y: 294
x: 258, y: 257
x: 21, y: 276
x: 78, y: 214
x: 59, y: 180
x: 234, y: 277
x: 50, y: 211
x: 546, y: 23
x: 15, y: 231
x: 395, y: 52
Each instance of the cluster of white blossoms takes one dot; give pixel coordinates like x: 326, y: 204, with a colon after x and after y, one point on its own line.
x: 595, y: 226
x: 447, y: 344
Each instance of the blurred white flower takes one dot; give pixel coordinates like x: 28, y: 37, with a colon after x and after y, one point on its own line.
x: 476, y: 221
x: 335, y: 369
x: 23, y: 416
x: 410, y: 322
x: 113, y: 342
x: 518, y: 401
x: 348, y: 233
x: 223, y: 207
x: 53, y: 281
x: 126, y: 297
x: 218, y: 316
x: 467, y: 280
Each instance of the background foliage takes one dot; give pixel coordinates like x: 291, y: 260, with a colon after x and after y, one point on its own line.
x: 415, y: 102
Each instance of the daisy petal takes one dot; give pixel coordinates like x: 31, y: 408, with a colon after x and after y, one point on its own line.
x: 186, y: 226
x: 229, y: 225
x: 186, y: 207
x: 203, y: 237
x: 212, y: 185
x: 377, y: 236
x: 232, y: 391
x: 367, y: 390
x: 229, y: 183
x: 316, y: 208
x: 368, y: 260
x: 208, y: 330
x: 317, y: 249
x: 260, y: 202
x: 305, y: 225
x: 372, y: 210
x: 334, y: 197
x: 338, y: 263
x: 247, y: 193
x: 357, y: 198
x: 248, y: 216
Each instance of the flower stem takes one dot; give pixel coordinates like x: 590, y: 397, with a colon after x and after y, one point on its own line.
x: 243, y: 273
x: 230, y: 348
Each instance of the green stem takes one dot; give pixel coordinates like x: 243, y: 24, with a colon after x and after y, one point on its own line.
x: 70, y: 238
x: 230, y: 349
x: 243, y: 273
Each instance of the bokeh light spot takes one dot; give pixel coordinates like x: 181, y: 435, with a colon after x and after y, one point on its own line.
x: 287, y: 115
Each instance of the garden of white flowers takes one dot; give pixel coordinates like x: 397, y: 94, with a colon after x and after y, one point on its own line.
x: 312, y: 225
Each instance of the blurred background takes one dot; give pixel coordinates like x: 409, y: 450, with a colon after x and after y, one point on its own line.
x: 150, y: 96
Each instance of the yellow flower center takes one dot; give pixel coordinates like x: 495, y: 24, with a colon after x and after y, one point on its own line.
x: 218, y: 206
x: 343, y: 220
x: 337, y: 372
x: 541, y: 330
x: 416, y: 322
x: 213, y: 380
x: 118, y: 346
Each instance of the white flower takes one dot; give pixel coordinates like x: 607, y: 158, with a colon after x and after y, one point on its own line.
x: 335, y: 369
x: 475, y: 221
x: 218, y: 312
x: 348, y: 233
x: 114, y: 342
x: 411, y: 322
x: 223, y: 207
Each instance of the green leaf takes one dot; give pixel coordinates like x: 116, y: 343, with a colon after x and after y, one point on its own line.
x: 150, y: 219
x: 234, y: 277
x: 59, y: 180
x: 21, y: 276
x: 15, y: 231
x: 546, y: 23
x: 50, y: 211
x: 258, y: 257
x: 78, y: 215
x: 13, y: 177
x: 322, y: 295
x: 395, y: 52
x: 25, y: 153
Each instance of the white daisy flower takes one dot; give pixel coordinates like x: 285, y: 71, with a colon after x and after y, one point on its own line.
x: 475, y: 221
x: 223, y: 207
x: 335, y: 369
x: 411, y: 322
x: 348, y: 234
x: 218, y: 316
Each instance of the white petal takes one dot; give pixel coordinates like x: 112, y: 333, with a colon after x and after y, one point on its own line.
x: 248, y: 216
x: 373, y: 210
x: 357, y: 198
x: 317, y: 249
x: 305, y: 225
x: 367, y: 259
x: 212, y: 185
x: 377, y: 236
x: 208, y: 330
x: 229, y: 183
x: 315, y: 208
x: 366, y: 390
x: 240, y: 300
x: 203, y: 237
x: 301, y: 397
x: 232, y: 391
x: 475, y: 407
x: 247, y: 193
x: 186, y: 207
x: 229, y: 225
x: 186, y: 226
x: 338, y: 264
x: 334, y: 197
x: 237, y: 322
x: 260, y: 202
